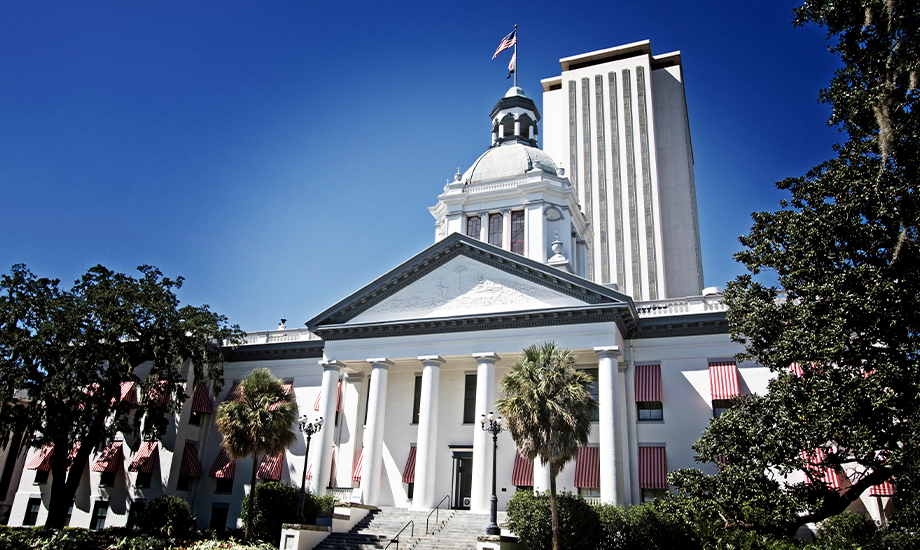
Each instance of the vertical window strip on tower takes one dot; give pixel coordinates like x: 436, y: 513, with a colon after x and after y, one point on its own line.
x: 631, y: 186
x: 651, y: 256
x: 586, y: 156
x: 573, y: 138
x: 517, y: 232
x: 600, y: 140
x: 495, y: 229
x: 615, y: 193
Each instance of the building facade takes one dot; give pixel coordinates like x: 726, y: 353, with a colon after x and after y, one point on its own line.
x: 403, y: 369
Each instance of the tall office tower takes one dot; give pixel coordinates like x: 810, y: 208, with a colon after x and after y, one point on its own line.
x: 616, y: 119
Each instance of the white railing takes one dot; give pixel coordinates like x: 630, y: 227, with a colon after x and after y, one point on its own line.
x: 681, y: 306
x: 276, y: 336
x: 341, y: 494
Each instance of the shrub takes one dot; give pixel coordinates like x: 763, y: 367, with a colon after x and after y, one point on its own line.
x: 275, y: 503
x: 314, y: 505
x: 170, y: 516
x: 848, y: 530
x: 530, y: 517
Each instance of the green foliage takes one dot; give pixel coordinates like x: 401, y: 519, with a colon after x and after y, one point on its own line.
x: 845, y: 250
x: 70, y: 351
x: 848, y: 531
x: 111, y: 538
x: 314, y: 505
x: 272, y: 504
x: 168, y: 516
x: 529, y: 518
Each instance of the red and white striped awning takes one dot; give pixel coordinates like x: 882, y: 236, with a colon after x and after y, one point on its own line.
x: 829, y: 476
x: 128, y: 394
x: 235, y: 392
x: 270, y: 468
x: 522, y: 474
x: 41, y: 460
x: 653, y: 468
x: 331, y: 470
x: 190, y: 467
x: 356, y: 472
x: 338, y: 402
x: 723, y: 376
x: 224, y: 467
x: 288, y: 386
x: 796, y: 369
x: 884, y: 489
x: 201, y: 403
x: 158, y: 394
x: 409, y: 470
x: 648, y: 382
x: 588, y: 468
x: 143, y: 460
x: 72, y: 454
x: 110, y: 459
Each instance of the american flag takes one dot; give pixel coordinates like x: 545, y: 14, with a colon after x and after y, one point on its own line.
x: 506, y: 43
x: 512, y: 65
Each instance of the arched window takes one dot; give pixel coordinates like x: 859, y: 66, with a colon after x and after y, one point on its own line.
x: 495, y: 229
x: 473, y: 226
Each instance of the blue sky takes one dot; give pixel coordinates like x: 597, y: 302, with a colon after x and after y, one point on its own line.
x: 281, y: 155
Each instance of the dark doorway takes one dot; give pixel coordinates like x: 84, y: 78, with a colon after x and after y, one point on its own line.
x: 218, y: 517
x: 463, y: 479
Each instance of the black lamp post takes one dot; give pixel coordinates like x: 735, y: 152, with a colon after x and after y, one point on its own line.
x: 494, y: 426
x: 308, y: 428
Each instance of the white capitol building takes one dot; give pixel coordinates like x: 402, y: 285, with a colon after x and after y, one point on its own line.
x: 602, y: 257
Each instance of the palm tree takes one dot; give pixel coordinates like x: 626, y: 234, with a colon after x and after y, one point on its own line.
x: 548, y: 405
x: 258, y: 423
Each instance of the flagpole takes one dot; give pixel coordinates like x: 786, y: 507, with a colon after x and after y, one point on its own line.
x: 515, y: 56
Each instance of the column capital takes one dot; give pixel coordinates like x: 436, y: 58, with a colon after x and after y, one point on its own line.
x: 431, y: 359
x: 332, y: 365
x: 354, y: 376
x: 380, y: 362
x: 609, y: 351
x: 487, y: 357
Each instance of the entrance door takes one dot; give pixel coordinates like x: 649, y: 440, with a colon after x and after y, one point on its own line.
x: 463, y: 479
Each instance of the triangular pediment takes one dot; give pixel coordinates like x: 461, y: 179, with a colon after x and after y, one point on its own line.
x: 461, y: 287
x: 463, y: 278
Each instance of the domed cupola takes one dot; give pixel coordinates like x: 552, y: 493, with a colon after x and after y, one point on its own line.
x: 514, y: 119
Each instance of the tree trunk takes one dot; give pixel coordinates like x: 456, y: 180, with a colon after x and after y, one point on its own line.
x: 252, y: 495
x: 64, y: 483
x: 555, y: 511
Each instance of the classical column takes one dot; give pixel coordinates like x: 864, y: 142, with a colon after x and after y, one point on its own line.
x: 609, y: 436
x: 427, y: 446
x: 323, y: 443
x: 354, y: 402
x: 541, y: 477
x: 482, y: 444
x: 373, y: 440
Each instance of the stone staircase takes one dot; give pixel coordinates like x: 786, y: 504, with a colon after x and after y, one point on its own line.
x: 456, y: 530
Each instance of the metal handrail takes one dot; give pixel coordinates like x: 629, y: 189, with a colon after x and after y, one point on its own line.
x: 435, y: 512
x: 396, y: 538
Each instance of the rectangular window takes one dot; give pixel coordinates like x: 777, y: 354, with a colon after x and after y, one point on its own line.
x: 410, y: 491
x: 32, y: 509
x: 648, y: 495
x: 195, y: 419
x: 367, y: 398
x: 473, y: 227
x: 517, y: 232
x: 99, y: 512
x: 224, y: 485
x: 136, y: 514
x: 184, y: 483
x: 495, y: 229
x: 107, y: 479
x: 719, y: 406
x: 143, y: 480
x: 469, y: 399
x: 649, y: 410
x: 417, y: 402
x: 41, y: 476
x: 218, y: 517
x: 594, y: 390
